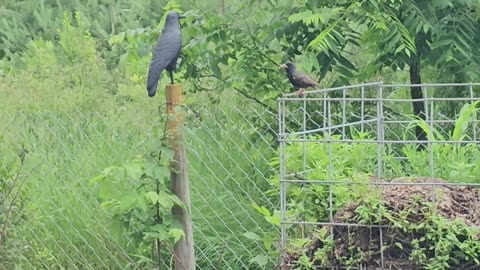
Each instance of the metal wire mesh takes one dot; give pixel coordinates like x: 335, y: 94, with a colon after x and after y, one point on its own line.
x: 59, y: 222
x: 339, y: 145
x: 229, y: 161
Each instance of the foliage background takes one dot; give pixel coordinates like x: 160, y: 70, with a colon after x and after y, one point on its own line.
x: 72, y: 82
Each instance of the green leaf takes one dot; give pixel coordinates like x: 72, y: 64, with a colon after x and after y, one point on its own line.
x: 105, y: 190
x: 300, y: 16
x: 176, y: 234
x: 408, y: 53
x: 108, y: 203
x: 152, y: 196
x: 176, y: 200
x: 161, y: 172
x: 261, y: 260
x: 164, y: 199
x: 320, y: 42
x: 133, y: 170
x: 261, y: 209
x: 463, y: 120
x: 252, y: 236
x: 115, y: 226
x: 96, y: 179
x: 116, y: 39
x: 267, y: 241
x: 216, y: 70
x: 158, y: 232
x: 400, y: 48
x: 142, y: 203
x: 127, y: 202
x: 275, y: 218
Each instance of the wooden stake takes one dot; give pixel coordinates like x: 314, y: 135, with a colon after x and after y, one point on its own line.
x: 184, y: 248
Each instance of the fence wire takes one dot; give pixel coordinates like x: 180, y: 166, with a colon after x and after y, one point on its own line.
x: 245, y: 214
x: 58, y: 220
x: 352, y: 158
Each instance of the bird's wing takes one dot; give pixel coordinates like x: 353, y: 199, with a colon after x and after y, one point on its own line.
x: 167, y: 48
x: 304, y: 78
x: 310, y: 81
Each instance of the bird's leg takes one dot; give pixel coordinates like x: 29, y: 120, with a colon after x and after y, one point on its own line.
x: 299, y: 92
x: 170, y: 74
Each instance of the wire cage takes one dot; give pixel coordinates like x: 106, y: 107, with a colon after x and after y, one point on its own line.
x: 368, y: 176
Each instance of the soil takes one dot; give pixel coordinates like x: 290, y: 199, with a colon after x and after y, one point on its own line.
x: 412, y: 202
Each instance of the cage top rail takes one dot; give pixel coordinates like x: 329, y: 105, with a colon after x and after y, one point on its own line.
x: 378, y: 99
x: 290, y: 96
x: 431, y: 84
x: 335, y: 88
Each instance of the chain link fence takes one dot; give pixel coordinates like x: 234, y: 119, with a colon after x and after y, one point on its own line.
x: 58, y: 219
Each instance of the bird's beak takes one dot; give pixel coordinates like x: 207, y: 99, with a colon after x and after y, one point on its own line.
x: 283, y: 66
x: 182, y: 16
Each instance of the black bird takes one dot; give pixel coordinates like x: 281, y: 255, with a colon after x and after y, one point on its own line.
x: 297, y: 78
x: 166, y: 52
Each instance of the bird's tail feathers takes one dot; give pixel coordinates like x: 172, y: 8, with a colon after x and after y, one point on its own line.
x: 152, y: 89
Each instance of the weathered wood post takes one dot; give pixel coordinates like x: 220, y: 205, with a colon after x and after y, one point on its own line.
x: 184, y: 248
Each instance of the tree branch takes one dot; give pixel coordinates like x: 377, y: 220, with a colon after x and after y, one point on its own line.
x: 255, y: 99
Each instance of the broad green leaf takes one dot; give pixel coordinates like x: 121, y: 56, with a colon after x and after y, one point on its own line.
x: 106, y: 190
x: 133, y: 170
x: 152, y: 196
x: 161, y: 172
x: 142, y: 203
x: 164, y: 199
x: 159, y: 233
x: 216, y: 70
x: 268, y: 241
x: 275, y: 218
x: 177, y: 234
x: 127, y: 202
x: 176, y: 200
x: 115, y: 226
x: 261, y: 260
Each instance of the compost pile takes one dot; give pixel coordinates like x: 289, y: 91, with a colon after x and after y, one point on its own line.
x: 411, y: 203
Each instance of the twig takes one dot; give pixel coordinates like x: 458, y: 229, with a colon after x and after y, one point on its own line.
x: 257, y: 51
x: 255, y: 99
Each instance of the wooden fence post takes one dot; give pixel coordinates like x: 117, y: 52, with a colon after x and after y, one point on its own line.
x: 184, y: 248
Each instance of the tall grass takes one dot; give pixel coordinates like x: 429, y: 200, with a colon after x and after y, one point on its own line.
x: 63, y: 223
x: 63, y: 114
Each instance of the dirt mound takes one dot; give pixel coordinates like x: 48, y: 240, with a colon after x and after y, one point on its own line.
x: 451, y: 201
x: 404, y: 224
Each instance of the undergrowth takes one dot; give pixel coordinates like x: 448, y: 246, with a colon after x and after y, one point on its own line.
x: 354, y: 167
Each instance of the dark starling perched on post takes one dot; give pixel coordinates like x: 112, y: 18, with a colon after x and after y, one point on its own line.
x: 297, y: 78
x: 166, y: 52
